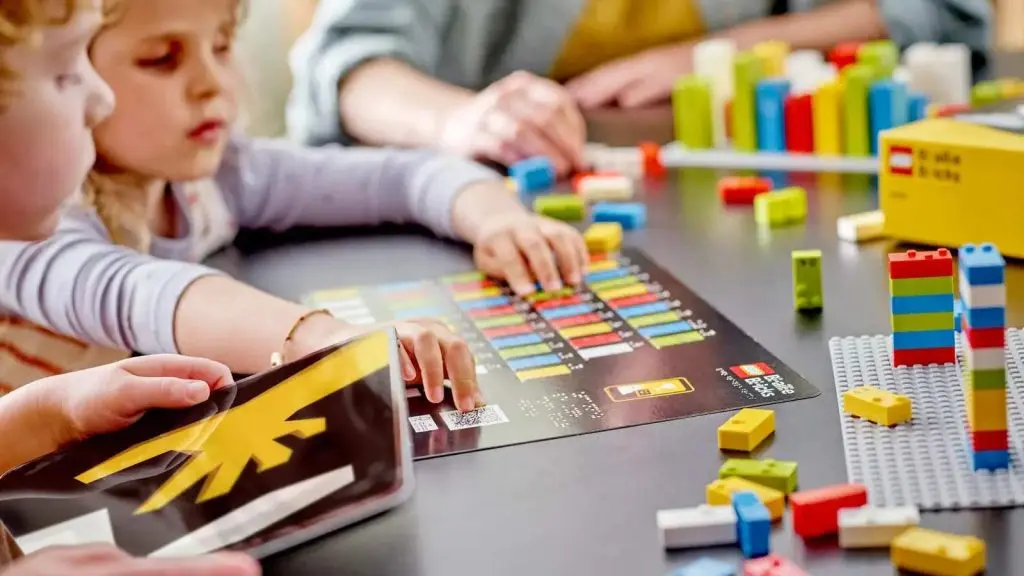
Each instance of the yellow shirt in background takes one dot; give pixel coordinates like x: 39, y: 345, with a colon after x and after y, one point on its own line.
x: 610, y: 29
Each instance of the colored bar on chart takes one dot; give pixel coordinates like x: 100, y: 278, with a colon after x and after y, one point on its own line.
x: 634, y: 290
x: 502, y: 331
x: 632, y: 300
x: 606, y: 275
x: 665, y: 329
x: 546, y: 372
x: 653, y: 319
x: 676, y: 339
x: 606, y: 350
x: 326, y: 297
x: 614, y: 283
x: 464, y: 277
x: 497, y: 321
x: 529, y: 362
x: 596, y: 340
x: 485, y: 303
x: 513, y: 341
x: 418, y: 301
x: 490, y: 312
x: 556, y: 302
x: 519, y: 352
x: 566, y: 311
x: 426, y: 312
x: 398, y: 287
x: 602, y: 265
x: 587, y: 330
x: 477, y: 294
x: 474, y: 285
x: 643, y: 309
x: 575, y: 320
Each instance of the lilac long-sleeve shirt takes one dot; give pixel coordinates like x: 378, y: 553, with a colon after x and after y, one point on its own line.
x: 80, y: 284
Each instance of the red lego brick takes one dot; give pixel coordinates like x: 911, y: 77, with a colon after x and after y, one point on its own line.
x: 983, y: 337
x: 651, y: 152
x: 772, y: 565
x: 924, y: 356
x: 816, y: 512
x: 799, y: 124
x: 921, y: 264
x: 990, y: 440
x: 952, y: 110
x: 843, y: 54
x: 742, y: 189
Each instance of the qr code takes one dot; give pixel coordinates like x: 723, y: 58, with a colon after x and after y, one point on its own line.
x: 486, y: 416
x: 424, y: 423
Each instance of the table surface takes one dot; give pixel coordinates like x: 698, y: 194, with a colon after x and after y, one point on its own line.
x: 586, y: 505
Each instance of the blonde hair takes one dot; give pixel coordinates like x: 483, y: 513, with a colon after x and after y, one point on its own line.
x: 20, y: 22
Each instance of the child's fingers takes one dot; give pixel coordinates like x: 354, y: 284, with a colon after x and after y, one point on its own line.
x: 506, y: 262
x: 136, y: 395
x: 538, y: 253
x: 565, y: 241
x: 215, y: 374
x: 221, y: 564
x: 427, y: 353
x: 407, y: 365
x: 461, y: 369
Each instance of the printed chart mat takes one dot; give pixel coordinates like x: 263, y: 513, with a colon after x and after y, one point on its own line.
x: 925, y: 462
x: 633, y: 346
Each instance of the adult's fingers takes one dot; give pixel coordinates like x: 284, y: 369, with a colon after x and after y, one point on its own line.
x: 601, y: 86
x: 501, y: 259
x: 646, y: 91
x: 213, y: 373
x: 515, y: 121
x: 538, y: 253
x: 564, y: 120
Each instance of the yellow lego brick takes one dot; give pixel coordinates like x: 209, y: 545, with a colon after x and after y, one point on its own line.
x: 986, y: 409
x: 746, y: 429
x: 773, y: 55
x: 720, y: 492
x: 825, y: 110
x: 877, y: 405
x: 603, y: 237
x: 938, y: 553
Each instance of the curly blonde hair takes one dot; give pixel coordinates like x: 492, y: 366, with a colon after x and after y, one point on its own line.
x: 20, y: 22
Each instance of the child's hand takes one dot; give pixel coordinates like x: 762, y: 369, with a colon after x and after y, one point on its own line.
x: 634, y: 81
x: 430, y: 353
x: 98, y: 560
x: 517, y: 117
x: 523, y: 249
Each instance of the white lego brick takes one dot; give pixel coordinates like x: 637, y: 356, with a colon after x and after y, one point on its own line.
x: 596, y: 188
x: 861, y: 227
x: 942, y: 72
x: 713, y: 59
x: 695, y: 527
x: 984, y: 358
x: 986, y: 296
x: 625, y: 160
x: 874, y: 527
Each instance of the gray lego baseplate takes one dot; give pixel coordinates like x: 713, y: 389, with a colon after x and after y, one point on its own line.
x: 925, y: 462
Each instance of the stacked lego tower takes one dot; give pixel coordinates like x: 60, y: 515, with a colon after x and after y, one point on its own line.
x: 921, y: 290
x: 982, y: 289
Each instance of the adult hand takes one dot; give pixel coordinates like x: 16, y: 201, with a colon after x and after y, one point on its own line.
x: 634, y: 81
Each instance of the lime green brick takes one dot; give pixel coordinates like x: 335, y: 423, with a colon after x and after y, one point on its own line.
x: 691, y: 111
x: 785, y: 206
x: 986, y: 93
x: 778, y: 474
x: 921, y: 286
x: 568, y: 207
x: 985, y: 379
x: 916, y: 322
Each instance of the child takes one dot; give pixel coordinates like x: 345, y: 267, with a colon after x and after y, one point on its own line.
x: 475, y: 77
x: 171, y: 186
x: 49, y: 98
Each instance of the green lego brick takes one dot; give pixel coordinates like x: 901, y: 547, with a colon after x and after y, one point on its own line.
x: 882, y: 55
x: 857, y: 79
x: 916, y: 322
x: 777, y: 474
x: 921, y: 286
x: 807, y: 293
x: 785, y: 206
x: 691, y: 111
x: 748, y: 70
x: 984, y: 379
x: 796, y: 198
x: 568, y: 207
x: 986, y: 93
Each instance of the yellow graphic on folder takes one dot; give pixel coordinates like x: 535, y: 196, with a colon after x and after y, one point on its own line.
x: 652, y: 389
x: 221, y: 446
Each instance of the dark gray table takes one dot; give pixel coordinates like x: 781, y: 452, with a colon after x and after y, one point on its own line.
x: 586, y: 505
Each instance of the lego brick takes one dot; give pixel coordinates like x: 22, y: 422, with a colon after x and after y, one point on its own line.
x: 720, y: 492
x: 982, y: 296
x: 807, y: 288
x: 651, y: 154
x: 984, y: 337
x: 754, y: 524
x: 799, y: 122
x: 882, y: 55
x: 986, y: 94
x: 917, y: 322
x: 773, y: 56
x: 600, y: 187
x: 772, y: 565
x: 796, y: 201
x: 778, y: 474
x: 630, y: 215
x: 771, y: 210
x: 990, y: 460
x: 713, y: 59
x: 603, y: 237
x: 697, y: 527
x: 921, y: 304
x: 990, y: 440
x: 579, y: 176
x: 861, y: 227
x: 986, y: 359
x: 887, y: 108
x: 815, y: 512
x: 746, y: 429
x: 857, y: 79
x: 981, y: 264
x: 568, y: 207
x: 747, y: 72
x: 921, y: 286
x: 984, y: 317
x: 533, y: 174
x: 958, y: 312
x: 843, y: 55
x: 826, y: 105
x: 938, y: 553
x: 875, y: 527
x: 770, y: 96
x: 994, y: 379
x: 923, y: 339
x: 877, y: 405
x: 706, y: 567
x: 923, y: 357
x: 917, y: 106
x: 691, y: 110
x: 921, y: 264
x: 986, y: 409
x: 742, y: 189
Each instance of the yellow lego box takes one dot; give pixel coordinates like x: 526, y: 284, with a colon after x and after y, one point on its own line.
x: 951, y: 181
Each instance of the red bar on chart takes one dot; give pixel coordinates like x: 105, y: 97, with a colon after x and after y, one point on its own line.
x: 632, y: 300
x: 557, y: 302
x: 496, y: 311
x: 575, y: 320
x: 598, y: 340
x: 502, y: 331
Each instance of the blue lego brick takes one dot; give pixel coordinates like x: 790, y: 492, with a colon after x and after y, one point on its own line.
x: 887, y: 108
x: 917, y: 106
x: 922, y: 304
x: 989, y: 459
x: 533, y: 174
x: 754, y: 526
x: 958, y: 311
x: 630, y: 215
x: 706, y: 567
x: 981, y: 264
x: 770, y: 96
x: 985, y: 317
x: 923, y: 339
